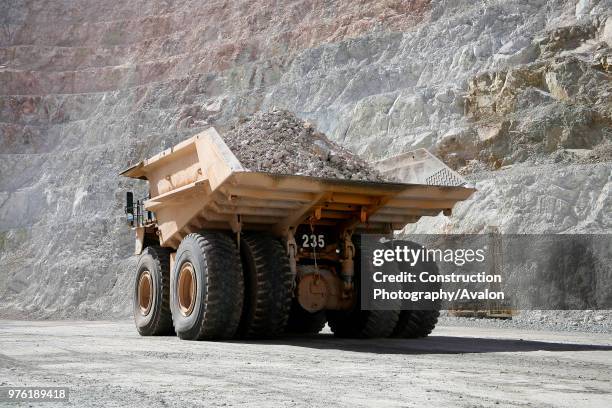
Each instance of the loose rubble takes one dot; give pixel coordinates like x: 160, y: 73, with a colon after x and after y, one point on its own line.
x: 279, y: 142
x: 590, y: 321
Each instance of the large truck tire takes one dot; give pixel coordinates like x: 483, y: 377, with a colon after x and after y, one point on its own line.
x: 357, y: 323
x: 301, y: 321
x: 152, y: 292
x: 363, y: 324
x: 206, y: 287
x: 413, y: 324
x: 418, y: 323
x: 268, y: 283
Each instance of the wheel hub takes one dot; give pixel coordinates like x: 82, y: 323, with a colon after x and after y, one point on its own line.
x: 145, y: 292
x: 186, y: 289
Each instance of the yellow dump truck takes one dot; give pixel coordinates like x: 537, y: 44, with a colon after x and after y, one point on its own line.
x: 230, y: 253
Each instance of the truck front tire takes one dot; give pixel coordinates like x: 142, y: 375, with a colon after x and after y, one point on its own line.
x: 151, y: 293
x: 206, y: 287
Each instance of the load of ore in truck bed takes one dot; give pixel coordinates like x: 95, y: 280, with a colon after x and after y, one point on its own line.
x: 277, y: 141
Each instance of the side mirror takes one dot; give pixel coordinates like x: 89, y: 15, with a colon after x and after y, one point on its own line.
x: 129, y: 207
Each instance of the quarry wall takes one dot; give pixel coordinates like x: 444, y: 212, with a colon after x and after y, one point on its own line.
x: 513, y: 94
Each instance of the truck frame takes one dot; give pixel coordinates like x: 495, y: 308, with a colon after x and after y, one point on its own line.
x: 225, y: 252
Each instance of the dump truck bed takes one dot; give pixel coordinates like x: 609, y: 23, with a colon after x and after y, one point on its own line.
x: 200, y: 184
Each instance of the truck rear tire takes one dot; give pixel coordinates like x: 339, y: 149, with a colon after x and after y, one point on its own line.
x: 301, y: 321
x: 363, y: 324
x: 268, y: 283
x: 206, y: 290
x: 151, y: 293
x: 418, y: 323
x: 413, y: 324
x: 357, y: 323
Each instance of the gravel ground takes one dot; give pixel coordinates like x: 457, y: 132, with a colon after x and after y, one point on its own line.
x: 592, y: 321
x: 108, y: 364
x: 279, y: 142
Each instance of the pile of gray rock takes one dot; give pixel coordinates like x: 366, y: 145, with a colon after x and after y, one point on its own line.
x: 590, y: 321
x: 277, y: 141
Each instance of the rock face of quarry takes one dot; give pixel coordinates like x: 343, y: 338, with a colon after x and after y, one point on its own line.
x: 513, y: 94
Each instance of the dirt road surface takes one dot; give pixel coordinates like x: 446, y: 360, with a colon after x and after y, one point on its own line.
x: 108, y: 364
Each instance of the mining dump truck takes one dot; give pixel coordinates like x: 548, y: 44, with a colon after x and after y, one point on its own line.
x: 230, y: 253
